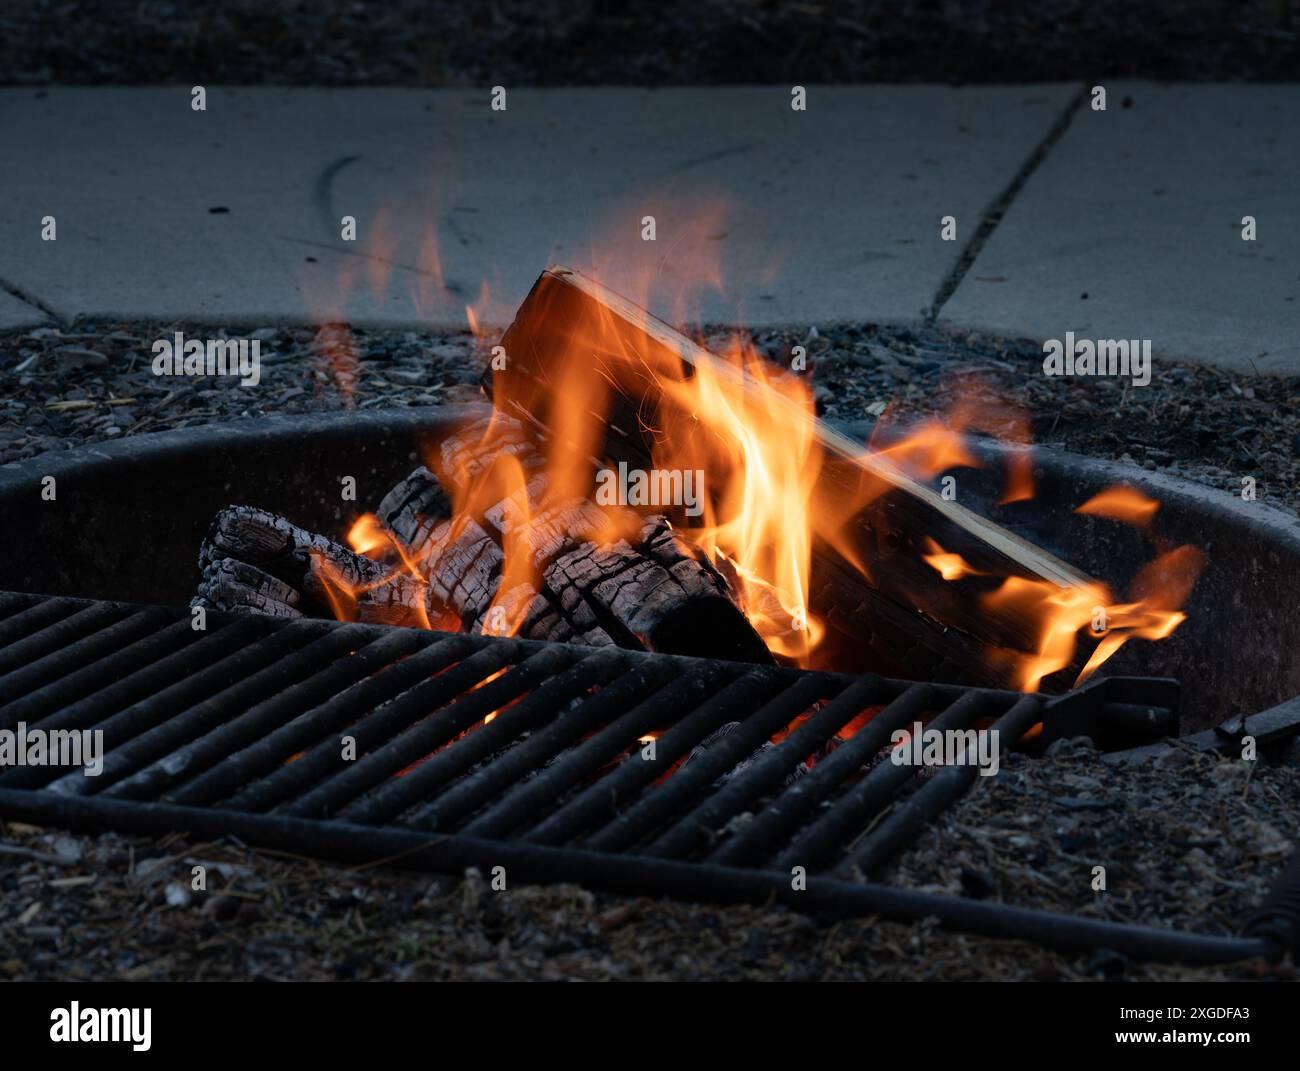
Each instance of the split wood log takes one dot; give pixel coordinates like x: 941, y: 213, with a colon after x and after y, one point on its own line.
x: 907, y: 616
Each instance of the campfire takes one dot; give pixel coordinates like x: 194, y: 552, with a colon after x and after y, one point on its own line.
x: 863, y: 615
x: 631, y: 488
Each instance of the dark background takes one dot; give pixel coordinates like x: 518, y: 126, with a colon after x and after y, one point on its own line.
x: 600, y: 42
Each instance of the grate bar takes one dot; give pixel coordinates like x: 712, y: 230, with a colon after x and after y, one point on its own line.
x: 146, y: 729
x: 204, y: 738
x: 12, y: 602
x: 150, y: 680
x: 611, y: 792
x: 910, y: 815
x: 164, y: 735
x: 637, y: 821
x: 637, y: 875
x: 371, y: 700
x: 768, y: 771
x: 72, y: 688
x: 98, y: 647
x: 450, y: 716
x: 473, y: 791
x: 59, y: 634
x: 30, y: 619
x: 532, y: 710
x: 121, y: 728
x: 847, y: 817
x: 780, y: 817
x: 523, y: 802
x: 480, y: 750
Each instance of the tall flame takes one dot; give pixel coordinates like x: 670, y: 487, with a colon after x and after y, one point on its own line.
x: 756, y: 512
x: 750, y: 428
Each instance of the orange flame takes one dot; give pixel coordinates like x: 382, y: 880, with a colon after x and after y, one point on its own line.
x: 949, y: 566
x: 1060, y: 614
x: 368, y: 537
x: 1122, y: 504
x: 764, y: 470
x: 750, y: 429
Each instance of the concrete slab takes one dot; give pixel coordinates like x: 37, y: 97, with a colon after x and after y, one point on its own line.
x: 827, y: 214
x: 16, y: 313
x: 1140, y: 210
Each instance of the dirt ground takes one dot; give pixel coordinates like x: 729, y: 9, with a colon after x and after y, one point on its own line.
x: 93, y: 382
x: 674, y: 42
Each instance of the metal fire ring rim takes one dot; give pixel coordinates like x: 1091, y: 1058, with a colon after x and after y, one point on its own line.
x: 1273, y: 522
x: 1280, y: 529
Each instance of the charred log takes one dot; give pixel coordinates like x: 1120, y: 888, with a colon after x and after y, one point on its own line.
x: 255, y: 560
x: 647, y: 590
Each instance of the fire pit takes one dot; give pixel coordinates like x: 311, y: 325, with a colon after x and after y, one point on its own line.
x: 130, y: 516
x: 768, y: 752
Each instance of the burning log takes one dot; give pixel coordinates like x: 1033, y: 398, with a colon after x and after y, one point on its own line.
x: 906, y: 614
x: 646, y: 590
x: 255, y: 560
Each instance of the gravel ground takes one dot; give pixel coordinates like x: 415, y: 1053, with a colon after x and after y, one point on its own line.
x: 596, y: 42
x: 1188, y: 841
x: 95, y: 382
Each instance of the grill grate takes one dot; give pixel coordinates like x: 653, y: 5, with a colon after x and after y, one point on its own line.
x: 486, y: 751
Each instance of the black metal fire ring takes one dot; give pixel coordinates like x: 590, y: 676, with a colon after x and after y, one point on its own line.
x: 485, y: 807
x: 172, y: 483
